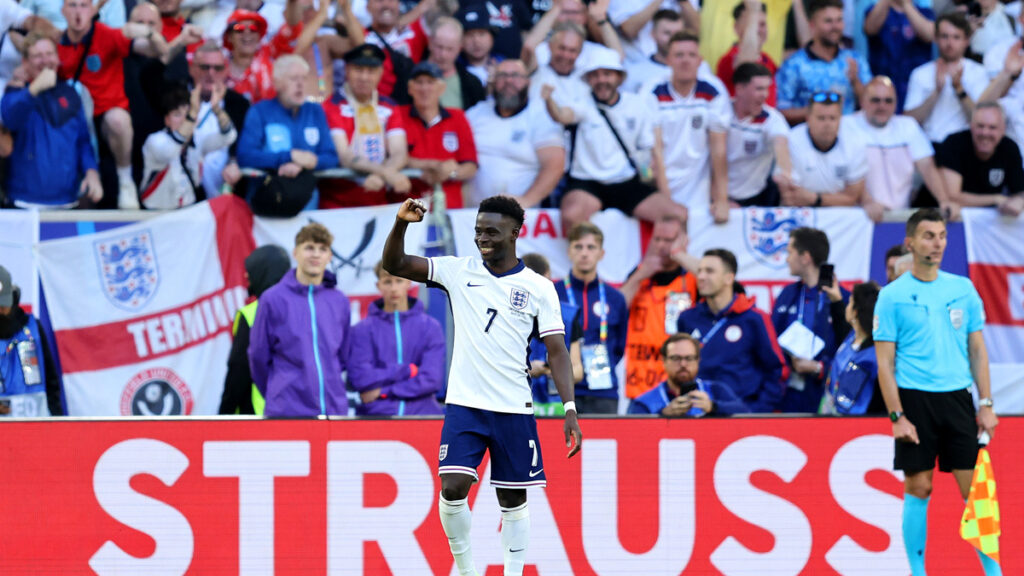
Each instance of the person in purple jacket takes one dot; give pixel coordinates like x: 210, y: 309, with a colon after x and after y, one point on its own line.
x: 299, y: 338
x: 396, y: 354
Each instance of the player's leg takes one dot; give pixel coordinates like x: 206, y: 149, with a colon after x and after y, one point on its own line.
x: 917, y: 462
x: 516, y: 464
x: 462, y: 449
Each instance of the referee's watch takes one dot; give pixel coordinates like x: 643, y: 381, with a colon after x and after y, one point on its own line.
x: 985, y: 402
x: 895, y: 415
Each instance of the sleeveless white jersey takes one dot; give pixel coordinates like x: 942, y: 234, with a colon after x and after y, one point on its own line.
x: 495, y: 318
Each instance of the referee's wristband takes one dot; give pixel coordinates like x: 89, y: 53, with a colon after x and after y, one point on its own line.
x: 570, y: 405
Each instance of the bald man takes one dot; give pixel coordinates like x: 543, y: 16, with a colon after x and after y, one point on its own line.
x: 897, y: 147
x: 462, y: 89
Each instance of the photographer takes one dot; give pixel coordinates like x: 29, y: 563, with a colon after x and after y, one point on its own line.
x: 852, y: 385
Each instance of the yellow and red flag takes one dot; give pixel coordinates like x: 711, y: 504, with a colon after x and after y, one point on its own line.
x: 980, y: 522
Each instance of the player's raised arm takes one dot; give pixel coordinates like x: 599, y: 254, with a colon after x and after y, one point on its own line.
x: 561, y: 370
x: 395, y: 260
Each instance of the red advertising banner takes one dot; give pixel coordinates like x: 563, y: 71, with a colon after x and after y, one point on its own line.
x: 645, y: 497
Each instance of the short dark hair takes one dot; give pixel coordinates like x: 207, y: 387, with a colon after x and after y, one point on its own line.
x: 678, y: 337
x: 742, y: 7
x: 923, y: 215
x: 896, y: 251
x: 316, y: 233
x: 537, y: 262
x: 812, y: 241
x: 819, y: 5
x: 585, y: 229
x: 955, y: 19
x: 666, y: 14
x: 864, y: 297
x: 684, y: 36
x: 747, y: 71
x: 506, y: 206
x: 174, y: 97
x: 727, y: 257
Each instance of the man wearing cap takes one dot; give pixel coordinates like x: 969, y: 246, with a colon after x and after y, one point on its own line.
x: 29, y: 384
x: 251, y: 69
x: 508, y: 20
x: 477, y: 45
x: 614, y: 144
x: 440, y: 139
x: 367, y: 132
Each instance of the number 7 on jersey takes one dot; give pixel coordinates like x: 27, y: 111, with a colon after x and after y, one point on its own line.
x: 494, y: 314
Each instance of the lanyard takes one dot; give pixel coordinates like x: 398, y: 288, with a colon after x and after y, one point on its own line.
x: 603, y: 330
x: 817, y: 306
x: 714, y: 330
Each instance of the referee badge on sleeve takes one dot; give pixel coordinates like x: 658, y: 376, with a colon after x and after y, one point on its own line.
x: 956, y: 317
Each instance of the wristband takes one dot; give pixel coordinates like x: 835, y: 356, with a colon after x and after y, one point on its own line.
x: 570, y: 405
x: 961, y: 94
x: 817, y: 201
x: 190, y: 118
x: 602, y: 22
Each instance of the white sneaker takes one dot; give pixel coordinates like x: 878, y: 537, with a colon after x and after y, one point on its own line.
x: 127, y: 195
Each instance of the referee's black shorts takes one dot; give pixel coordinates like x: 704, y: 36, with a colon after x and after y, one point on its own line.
x: 947, y: 428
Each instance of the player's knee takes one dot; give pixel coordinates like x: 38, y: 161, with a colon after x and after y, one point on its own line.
x: 455, y: 488
x: 511, y: 498
x: 919, y: 487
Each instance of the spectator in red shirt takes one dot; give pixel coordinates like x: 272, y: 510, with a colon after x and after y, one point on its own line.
x: 386, y: 32
x: 751, y: 26
x: 368, y: 133
x: 440, y: 139
x: 250, y: 72
x: 93, y: 54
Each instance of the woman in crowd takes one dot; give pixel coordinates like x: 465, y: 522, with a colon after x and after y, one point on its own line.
x: 852, y: 385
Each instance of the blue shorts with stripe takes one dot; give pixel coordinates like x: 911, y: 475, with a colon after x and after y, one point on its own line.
x: 511, y: 440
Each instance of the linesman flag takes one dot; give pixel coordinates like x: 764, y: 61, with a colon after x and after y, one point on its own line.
x: 980, y: 522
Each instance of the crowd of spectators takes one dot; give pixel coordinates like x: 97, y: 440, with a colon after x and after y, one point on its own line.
x: 661, y: 109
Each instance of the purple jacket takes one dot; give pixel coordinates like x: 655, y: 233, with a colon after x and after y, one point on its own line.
x: 297, y: 348
x: 377, y: 361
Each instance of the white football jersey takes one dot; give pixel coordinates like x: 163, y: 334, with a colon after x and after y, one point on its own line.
x: 495, y: 318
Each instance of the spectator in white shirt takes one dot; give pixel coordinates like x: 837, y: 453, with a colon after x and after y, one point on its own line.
x: 644, y: 74
x: 173, y: 156
x: 633, y: 20
x: 519, y: 148
x: 610, y: 166
x: 562, y: 69
x: 693, y: 119
x: 896, y: 147
x: 537, y: 49
x: 758, y: 138
x: 941, y: 94
x: 992, y: 26
x: 828, y: 167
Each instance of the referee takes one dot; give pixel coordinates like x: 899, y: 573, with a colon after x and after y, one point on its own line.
x: 930, y: 348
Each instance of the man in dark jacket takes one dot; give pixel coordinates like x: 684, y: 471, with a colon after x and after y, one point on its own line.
x: 396, y: 354
x: 29, y: 383
x: 263, y: 268
x: 299, y: 338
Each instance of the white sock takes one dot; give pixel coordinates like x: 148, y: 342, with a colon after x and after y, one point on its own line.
x: 456, y: 520
x: 515, y: 535
x: 124, y: 173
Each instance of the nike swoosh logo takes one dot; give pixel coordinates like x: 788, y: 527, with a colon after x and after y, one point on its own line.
x: 471, y: 285
x: 532, y: 474
x: 514, y: 551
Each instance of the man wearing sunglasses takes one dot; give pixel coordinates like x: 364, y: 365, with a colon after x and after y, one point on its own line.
x: 896, y: 147
x: 828, y: 167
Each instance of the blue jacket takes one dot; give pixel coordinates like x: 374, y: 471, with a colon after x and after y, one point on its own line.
x: 852, y: 379
x: 816, y: 317
x: 589, y: 300
x: 538, y: 351
x: 52, y: 151
x: 297, y: 348
x: 724, y: 401
x: 381, y: 349
x: 739, y: 350
x: 271, y: 132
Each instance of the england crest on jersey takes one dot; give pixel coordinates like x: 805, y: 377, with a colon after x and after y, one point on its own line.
x: 128, y: 269
x: 519, y: 298
x: 450, y: 141
x: 996, y: 176
x: 766, y: 232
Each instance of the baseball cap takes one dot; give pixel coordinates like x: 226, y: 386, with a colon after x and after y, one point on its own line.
x: 365, y: 55
x: 476, y: 19
x: 6, y: 288
x: 428, y: 68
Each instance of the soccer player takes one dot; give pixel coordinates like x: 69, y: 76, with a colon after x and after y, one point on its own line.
x: 498, y: 305
x: 930, y: 347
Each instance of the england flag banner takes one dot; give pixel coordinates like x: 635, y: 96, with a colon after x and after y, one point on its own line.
x: 19, y: 233
x: 995, y: 257
x: 759, y: 237
x: 143, y: 314
x: 359, y: 237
